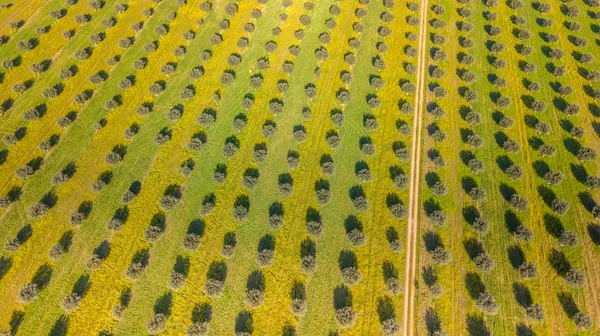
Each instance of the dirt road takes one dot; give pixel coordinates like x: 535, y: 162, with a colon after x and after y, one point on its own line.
x: 413, y: 201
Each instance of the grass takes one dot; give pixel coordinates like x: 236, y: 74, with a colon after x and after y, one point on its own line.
x: 464, y: 317
x: 157, y: 167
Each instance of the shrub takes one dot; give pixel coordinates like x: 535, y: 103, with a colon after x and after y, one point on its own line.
x: 39, y: 209
x: 255, y: 297
x: 356, y: 237
x: 29, y: 292
x: 308, y: 263
x: 71, y: 302
x: 156, y: 324
x: 577, y: 132
x: 390, y: 327
x: 476, y: 166
x: 293, y: 159
x: 314, y: 226
x: 586, y: 154
x: 483, y: 262
x: 176, y: 280
x: 523, y: 233
x: 276, y: 106
x: 12, y: 245
x: 547, y: 150
x: 559, y: 206
x: 345, y: 317
x: 485, y: 302
x: 241, y: 209
x: 155, y: 228
x: 400, y: 181
x: 535, y: 312
x: 440, y: 256
x: 518, y: 202
x: 506, y: 122
x: 568, y: 238
x: 592, y: 182
x: 583, y: 321
x: 439, y: 189
x: 230, y: 148
x: 229, y: 243
x: 265, y: 257
x: 197, y: 141
x: 351, y: 276
x: 514, y: 172
x: 575, y: 278
x: 250, y: 179
x: 477, y: 194
x: 528, y: 270
x: 393, y: 285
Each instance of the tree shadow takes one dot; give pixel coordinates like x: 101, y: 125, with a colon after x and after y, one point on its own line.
x: 540, y: 167
x: 163, y: 304
x: 243, y: 323
x: 553, y: 225
x: 342, y: 297
x: 256, y: 280
x: 182, y: 265
x: 61, y: 326
x: 202, y: 312
x: 593, y: 231
x: 559, y: 262
x: 473, y: 247
x: 522, y: 294
x: 15, y: 321
x: 516, y: 256
x: 347, y: 259
x: 473, y: 284
x: 385, y: 309
x: 568, y: 304
x: 42, y: 276
x: 432, y: 321
x: 476, y: 326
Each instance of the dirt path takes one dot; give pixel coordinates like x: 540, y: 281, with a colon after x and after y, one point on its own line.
x: 413, y: 201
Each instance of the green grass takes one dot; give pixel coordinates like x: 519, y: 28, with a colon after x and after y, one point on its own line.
x: 157, y: 167
x: 500, y: 281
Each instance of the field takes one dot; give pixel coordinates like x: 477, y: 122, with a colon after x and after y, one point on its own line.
x: 516, y: 131
x: 356, y: 167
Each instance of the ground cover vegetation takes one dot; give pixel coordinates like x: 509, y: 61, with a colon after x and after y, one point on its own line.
x: 508, y: 242
x: 194, y: 167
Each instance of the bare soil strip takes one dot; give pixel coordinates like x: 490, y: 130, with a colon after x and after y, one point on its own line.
x: 413, y: 201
